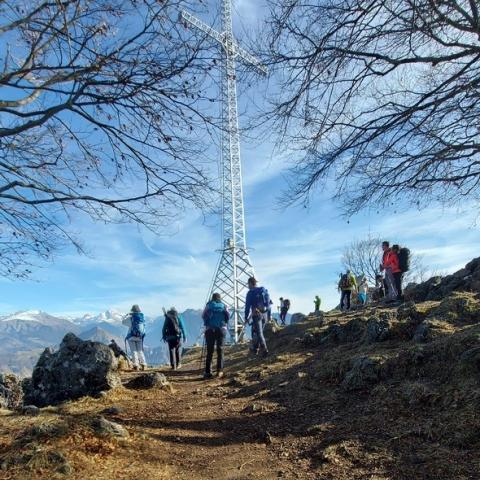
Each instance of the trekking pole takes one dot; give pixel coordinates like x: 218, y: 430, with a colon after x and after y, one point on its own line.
x: 202, y: 354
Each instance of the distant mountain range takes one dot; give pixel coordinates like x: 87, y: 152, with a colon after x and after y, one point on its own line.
x: 24, y: 335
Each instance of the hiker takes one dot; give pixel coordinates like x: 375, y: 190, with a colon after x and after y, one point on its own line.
x: 389, y: 265
x: 269, y: 311
x: 363, y: 291
x: 172, y: 332
x: 379, y: 286
x: 256, y: 306
x: 346, y: 284
x: 135, y: 322
x: 215, y: 318
x: 284, y: 308
x: 317, y: 302
x: 398, y: 272
x: 117, y: 350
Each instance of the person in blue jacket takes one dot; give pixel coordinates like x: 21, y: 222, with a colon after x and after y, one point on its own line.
x: 257, y: 304
x: 215, y: 319
x: 173, y: 332
x: 135, y: 322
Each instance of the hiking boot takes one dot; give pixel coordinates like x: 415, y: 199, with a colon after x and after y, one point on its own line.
x: 143, y: 368
x: 265, y: 354
x: 220, y: 374
x: 135, y: 367
x: 207, y: 376
x: 179, y: 366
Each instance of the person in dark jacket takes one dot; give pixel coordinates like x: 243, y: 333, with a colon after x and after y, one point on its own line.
x: 215, y: 318
x: 257, y: 304
x: 173, y: 332
x: 397, y: 272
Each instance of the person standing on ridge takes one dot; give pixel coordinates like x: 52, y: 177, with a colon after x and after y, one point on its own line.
x: 397, y: 268
x: 135, y: 322
x: 284, y: 308
x: 389, y: 265
x: 363, y: 291
x: 172, y: 332
x: 257, y: 303
x: 215, y: 318
x: 317, y: 302
x: 346, y: 284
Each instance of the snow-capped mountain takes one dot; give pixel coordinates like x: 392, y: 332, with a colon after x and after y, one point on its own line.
x: 109, y: 316
x: 24, y: 335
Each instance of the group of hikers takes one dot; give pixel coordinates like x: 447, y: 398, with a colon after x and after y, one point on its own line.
x: 258, y: 310
x: 388, y: 279
x: 215, y: 318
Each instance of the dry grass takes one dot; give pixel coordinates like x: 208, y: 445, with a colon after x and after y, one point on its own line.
x: 285, y: 417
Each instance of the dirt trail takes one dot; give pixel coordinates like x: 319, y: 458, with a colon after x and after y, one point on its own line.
x: 202, y: 432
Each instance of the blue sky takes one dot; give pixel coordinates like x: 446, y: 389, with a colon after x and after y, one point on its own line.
x: 296, y: 252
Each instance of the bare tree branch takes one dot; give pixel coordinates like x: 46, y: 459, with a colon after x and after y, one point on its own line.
x: 382, y: 96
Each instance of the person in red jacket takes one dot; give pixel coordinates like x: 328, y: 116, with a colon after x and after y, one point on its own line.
x: 397, y: 272
x: 389, y: 264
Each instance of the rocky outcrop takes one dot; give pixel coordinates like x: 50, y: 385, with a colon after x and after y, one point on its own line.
x: 458, y: 308
x: 77, y: 369
x: 436, y: 288
x: 378, y: 329
x: 148, y: 380
x: 297, y: 318
x: 365, y: 372
x: 11, y: 392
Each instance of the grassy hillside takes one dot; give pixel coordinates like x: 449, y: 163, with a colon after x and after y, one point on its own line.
x: 380, y: 394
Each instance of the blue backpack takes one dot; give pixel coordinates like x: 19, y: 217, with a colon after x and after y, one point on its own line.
x: 138, y: 325
x: 260, y: 301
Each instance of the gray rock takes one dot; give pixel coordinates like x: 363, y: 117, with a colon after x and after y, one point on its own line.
x: 148, y: 380
x: 365, y: 372
x: 423, y: 333
x: 31, y: 410
x: 409, y: 311
x: 378, y: 330
x: 77, y: 369
x: 112, y: 411
x: 105, y: 427
x: 297, y: 318
x: 11, y: 392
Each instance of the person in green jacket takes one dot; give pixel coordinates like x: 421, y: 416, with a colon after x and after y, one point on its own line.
x: 317, y: 302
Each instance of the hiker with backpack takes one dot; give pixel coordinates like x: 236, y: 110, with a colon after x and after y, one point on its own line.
x: 317, y: 302
x: 215, y: 319
x: 347, y: 283
x: 284, y: 308
x: 173, y: 332
x: 135, y: 322
x: 389, y: 265
x: 257, y: 303
x: 403, y: 256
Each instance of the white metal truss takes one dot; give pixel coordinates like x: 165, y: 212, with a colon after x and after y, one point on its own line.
x: 234, y: 267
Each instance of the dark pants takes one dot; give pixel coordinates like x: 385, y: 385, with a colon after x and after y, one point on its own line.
x: 214, y: 336
x: 258, y: 339
x: 174, y: 351
x: 283, y: 315
x: 398, y: 277
x: 345, y: 298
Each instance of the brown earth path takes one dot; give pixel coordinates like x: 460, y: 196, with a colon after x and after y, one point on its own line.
x: 202, y: 431
x: 197, y: 429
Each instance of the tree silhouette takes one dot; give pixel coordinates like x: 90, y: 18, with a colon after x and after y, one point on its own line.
x: 380, y: 95
x: 101, y: 114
